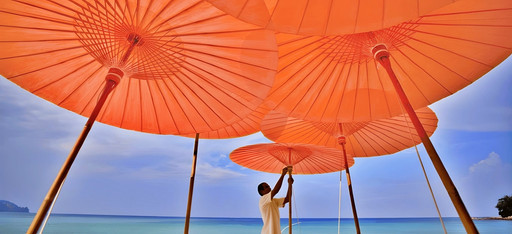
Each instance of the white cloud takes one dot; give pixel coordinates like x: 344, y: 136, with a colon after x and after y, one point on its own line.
x: 486, y: 181
x: 490, y: 163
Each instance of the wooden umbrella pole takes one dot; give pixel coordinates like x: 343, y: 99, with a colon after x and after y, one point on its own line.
x: 381, y: 53
x: 352, y: 201
x: 289, y: 192
x: 112, y: 79
x: 342, y: 141
x: 45, y: 220
x: 191, y: 185
x: 290, y: 200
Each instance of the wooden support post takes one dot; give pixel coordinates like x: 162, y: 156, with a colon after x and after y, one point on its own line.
x: 342, y: 141
x: 191, y: 185
x: 112, y: 79
x: 381, y: 54
x: 290, y: 190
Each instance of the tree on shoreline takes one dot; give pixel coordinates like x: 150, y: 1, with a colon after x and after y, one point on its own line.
x: 505, y: 206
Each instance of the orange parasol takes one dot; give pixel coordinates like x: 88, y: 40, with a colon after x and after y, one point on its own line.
x: 340, y: 78
x: 179, y: 67
x: 327, y: 17
x: 188, y: 67
x: 303, y: 158
x: 363, y: 139
x: 337, y: 79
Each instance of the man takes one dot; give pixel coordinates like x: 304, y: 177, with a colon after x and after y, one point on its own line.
x: 269, y: 206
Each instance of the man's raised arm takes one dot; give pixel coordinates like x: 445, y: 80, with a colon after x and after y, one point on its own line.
x: 279, y: 182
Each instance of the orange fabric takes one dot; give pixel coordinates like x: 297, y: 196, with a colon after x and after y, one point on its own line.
x: 247, y: 126
x: 327, y: 17
x: 194, y: 69
x: 363, y: 139
x: 305, y: 158
x: 336, y: 78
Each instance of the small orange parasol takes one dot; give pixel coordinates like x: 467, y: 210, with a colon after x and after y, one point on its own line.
x: 327, y: 17
x: 303, y: 158
x: 363, y: 139
x: 178, y: 67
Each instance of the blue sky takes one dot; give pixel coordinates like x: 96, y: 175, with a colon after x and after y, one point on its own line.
x: 125, y: 172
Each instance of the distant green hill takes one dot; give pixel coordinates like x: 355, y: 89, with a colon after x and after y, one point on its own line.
x: 7, y: 206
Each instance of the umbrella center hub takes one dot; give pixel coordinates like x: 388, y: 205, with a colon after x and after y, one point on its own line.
x: 135, y: 39
x: 380, y: 51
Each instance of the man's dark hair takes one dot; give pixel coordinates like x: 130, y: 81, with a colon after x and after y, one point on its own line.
x: 260, y: 187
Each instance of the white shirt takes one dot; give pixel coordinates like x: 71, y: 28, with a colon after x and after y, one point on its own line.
x: 269, y: 209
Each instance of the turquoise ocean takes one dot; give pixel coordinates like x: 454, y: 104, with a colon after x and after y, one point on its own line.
x: 69, y: 223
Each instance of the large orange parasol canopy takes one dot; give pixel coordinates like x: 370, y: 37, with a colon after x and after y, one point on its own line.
x: 327, y: 17
x: 305, y: 158
x: 188, y: 67
x: 337, y: 79
x: 363, y: 139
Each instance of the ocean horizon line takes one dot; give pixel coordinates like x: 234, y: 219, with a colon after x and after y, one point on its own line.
x: 221, y: 217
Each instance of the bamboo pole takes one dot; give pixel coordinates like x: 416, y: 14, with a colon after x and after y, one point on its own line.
x: 339, y: 205
x: 191, y: 185
x: 113, y: 78
x: 290, y: 168
x: 45, y: 220
x: 342, y: 142
x: 381, y: 54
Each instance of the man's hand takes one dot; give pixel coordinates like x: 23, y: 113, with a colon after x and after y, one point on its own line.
x: 285, y: 170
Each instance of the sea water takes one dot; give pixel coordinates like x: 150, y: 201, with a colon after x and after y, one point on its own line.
x: 68, y: 223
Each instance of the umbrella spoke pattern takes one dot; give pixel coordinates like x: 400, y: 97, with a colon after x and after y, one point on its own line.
x: 188, y: 67
x: 363, y: 139
x: 336, y: 78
